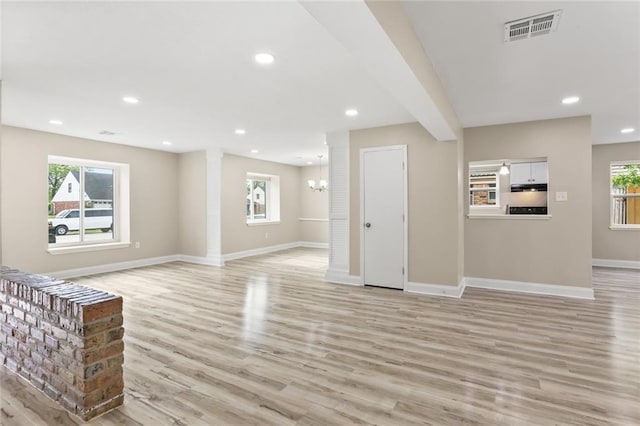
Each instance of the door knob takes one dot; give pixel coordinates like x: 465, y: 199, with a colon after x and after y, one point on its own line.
x: 367, y: 225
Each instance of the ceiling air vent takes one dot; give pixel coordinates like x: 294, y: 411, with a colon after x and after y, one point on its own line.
x: 532, y: 26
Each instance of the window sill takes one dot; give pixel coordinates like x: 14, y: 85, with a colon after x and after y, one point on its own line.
x: 263, y: 222
x: 86, y: 248
x: 624, y: 228
x: 511, y: 216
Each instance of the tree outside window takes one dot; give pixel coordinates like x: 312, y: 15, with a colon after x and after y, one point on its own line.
x: 625, y: 194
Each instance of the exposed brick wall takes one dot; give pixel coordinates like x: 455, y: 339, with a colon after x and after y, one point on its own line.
x: 65, y: 339
x: 58, y: 206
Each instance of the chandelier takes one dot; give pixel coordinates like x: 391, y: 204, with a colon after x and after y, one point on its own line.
x: 322, y: 184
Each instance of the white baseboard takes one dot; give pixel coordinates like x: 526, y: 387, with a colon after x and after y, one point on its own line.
x: 258, y: 251
x: 207, y: 260
x: 210, y: 260
x: 341, y: 276
x: 612, y: 263
x: 531, y: 288
x: 312, y: 244
x: 436, y: 289
x: 112, y: 267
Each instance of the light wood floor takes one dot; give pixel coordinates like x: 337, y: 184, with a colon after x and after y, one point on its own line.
x: 266, y: 341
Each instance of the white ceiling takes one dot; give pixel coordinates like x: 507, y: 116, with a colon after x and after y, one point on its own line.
x: 595, y: 54
x: 191, y: 65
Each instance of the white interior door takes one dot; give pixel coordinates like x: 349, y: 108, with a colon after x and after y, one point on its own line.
x: 383, y: 228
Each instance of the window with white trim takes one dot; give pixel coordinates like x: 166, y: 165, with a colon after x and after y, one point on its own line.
x: 625, y: 194
x: 88, y: 203
x: 484, y: 188
x: 262, y: 198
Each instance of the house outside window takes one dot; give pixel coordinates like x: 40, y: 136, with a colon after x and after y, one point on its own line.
x: 625, y: 194
x: 96, y: 210
x: 262, y: 198
x: 484, y: 189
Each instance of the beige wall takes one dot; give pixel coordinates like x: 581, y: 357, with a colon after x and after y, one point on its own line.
x: 314, y: 206
x: 608, y: 244
x: 555, y: 251
x: 192, y: 203
x: 433, y: 201
x: 1, y: 260
x: 153, y: 190
x: 236, y: 234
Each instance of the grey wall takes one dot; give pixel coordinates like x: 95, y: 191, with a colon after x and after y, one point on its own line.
x: 554, y: 251
x: 607, y: 243
x: 23, y: 167
x: 433, y: 200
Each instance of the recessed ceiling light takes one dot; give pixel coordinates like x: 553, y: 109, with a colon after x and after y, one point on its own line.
x: 254, y: 151
x: 131, y: 99
x: 570, y: 100
x: 240, y: 131
x: 628, y: 130
x: 56, y: 122
x: 264, y: 58
x: 309, y: 162
x: 167, y: 143
x: 351, y: 112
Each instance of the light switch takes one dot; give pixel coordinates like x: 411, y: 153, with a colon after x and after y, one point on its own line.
x: 561, y: 196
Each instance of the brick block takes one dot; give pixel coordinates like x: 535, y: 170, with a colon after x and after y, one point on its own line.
x: 101, y: 325
x: 93, y: 369
x: 88, y: 342
x: 37, y: 334
x: 99, y: 382
x: 114, y: 334
x: 51, y: 342
x: 37, y: 382
x: 103, y: 353
x: 51, y: 392
x: 58, y: 333
x: 45, y: 326
x: 89, y: 313
x: 18, y: 314
x: 65, y: 339
x: 31, y: 319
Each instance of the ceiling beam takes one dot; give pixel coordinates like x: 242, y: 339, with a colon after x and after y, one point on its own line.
x: 381, y: 38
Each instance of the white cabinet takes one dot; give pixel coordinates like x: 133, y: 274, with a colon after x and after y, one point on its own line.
x: 527, y: 173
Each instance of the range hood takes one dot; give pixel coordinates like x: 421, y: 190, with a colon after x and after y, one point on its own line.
x: 529, y: 187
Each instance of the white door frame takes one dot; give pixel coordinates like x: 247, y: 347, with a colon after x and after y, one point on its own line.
x: 405, y: 255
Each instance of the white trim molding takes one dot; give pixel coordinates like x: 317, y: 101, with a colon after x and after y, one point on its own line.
x: 531, y: 288
x: 613, y: 263
x: 436, y: 289
x: 257, y: 251
x: 313, y: 244
x: 312, y: 219
x: 112, y: 267
x: 341, y: 276
x: 210, y: 259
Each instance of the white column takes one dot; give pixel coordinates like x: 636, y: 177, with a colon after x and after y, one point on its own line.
x: 338, y: 271
x: 214, y: 207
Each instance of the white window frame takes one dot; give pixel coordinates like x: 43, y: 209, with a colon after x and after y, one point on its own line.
x: 121, y: 206
x: 272, y: 199
x: 613, y: 196
x: 471, y: 190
